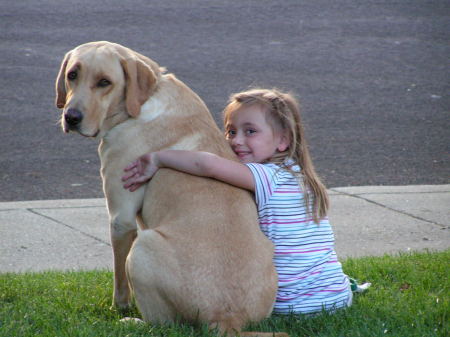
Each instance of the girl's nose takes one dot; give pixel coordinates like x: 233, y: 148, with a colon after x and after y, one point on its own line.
x: 236, y: 140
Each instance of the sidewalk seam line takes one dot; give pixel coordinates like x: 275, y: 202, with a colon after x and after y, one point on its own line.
x: 390, y: 193
x: 392, y: 209
x: 47, y: 208
x: 68, y: 226
x: 66, y: 207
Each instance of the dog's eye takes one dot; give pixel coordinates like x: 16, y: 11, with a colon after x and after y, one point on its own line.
x: 72, y: 75
x: 103, y: 83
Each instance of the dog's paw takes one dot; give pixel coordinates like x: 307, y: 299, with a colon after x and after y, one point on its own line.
x: 132, y: 320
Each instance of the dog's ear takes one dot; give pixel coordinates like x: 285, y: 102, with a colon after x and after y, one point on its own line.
x: 141, y: 75
x: 60, y: 83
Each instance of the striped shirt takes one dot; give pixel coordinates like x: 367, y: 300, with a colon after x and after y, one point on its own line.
x: 310, y: 277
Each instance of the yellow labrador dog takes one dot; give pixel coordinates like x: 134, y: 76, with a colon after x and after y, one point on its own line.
x: 200, y: 255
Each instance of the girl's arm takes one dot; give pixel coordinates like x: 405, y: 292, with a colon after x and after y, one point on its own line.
x: 202, y: 164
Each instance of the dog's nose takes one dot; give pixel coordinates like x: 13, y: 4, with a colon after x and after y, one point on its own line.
x: 73, y: 117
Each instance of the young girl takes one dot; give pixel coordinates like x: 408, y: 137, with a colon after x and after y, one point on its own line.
x: 265, y: 131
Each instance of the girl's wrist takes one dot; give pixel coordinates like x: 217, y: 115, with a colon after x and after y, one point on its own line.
x: 155, y: 160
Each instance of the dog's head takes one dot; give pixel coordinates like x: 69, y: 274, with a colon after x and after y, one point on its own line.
x: 100, y: 84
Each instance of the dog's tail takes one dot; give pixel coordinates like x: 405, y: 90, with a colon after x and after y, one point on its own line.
x: 263, y: 334
x: 229, y: 324
x: 235, y: 332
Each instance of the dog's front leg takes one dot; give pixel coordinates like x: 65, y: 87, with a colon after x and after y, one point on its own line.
x: 123, y: 207
x: 123, y: 233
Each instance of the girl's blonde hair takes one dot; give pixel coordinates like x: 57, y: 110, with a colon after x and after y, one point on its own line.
x: 283, y: 112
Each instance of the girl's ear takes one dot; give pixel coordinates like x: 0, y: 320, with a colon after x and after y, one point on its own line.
x: 284, y: 143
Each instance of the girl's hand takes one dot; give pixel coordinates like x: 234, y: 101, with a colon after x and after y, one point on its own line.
x: 140, y: 171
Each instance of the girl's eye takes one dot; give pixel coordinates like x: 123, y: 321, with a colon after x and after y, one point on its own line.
x: 250, y: 131
x: 103, y: 83
x: 231, y: 133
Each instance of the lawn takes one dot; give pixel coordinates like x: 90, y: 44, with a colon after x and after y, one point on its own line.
x: 410, y: 296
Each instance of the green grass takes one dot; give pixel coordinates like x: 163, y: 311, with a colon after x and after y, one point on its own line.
x: 410, y: 296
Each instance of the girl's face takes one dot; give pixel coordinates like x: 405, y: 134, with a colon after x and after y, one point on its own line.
x: 251, y: 137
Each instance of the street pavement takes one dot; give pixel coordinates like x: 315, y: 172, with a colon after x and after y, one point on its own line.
x: 73, y: 234
x: 372, y: 78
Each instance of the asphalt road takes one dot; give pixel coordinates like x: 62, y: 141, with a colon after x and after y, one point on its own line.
x: 372, y: 77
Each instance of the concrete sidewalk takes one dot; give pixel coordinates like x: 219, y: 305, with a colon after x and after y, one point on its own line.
x: 370, y: 220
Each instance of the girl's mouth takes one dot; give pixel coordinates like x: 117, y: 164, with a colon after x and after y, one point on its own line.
x: 242, y: 154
